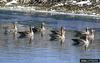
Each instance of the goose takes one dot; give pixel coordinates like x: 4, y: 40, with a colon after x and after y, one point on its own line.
x: 39, y: 29
x: 26, y: 33
x: 91, y: 35
x: 10, y: 28
x: 58, y: 34
x: 80, y: 33
x: 14, y: 27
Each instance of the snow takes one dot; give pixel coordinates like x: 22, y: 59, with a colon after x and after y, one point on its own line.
x: 84, y: 2
x: 11, y: 3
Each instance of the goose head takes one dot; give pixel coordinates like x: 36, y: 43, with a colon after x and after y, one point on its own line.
x: 87, y: 32
x: 42, y: 26
x: 87, y: 29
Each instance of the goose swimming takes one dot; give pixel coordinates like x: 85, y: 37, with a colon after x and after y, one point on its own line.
x: 39, y: 29
x: 80, y: 33
x: 27, y: 33
x: 10, y: 28
x: 58, y: 34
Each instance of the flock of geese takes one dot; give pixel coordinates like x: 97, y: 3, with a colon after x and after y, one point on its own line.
x: 84, y: 38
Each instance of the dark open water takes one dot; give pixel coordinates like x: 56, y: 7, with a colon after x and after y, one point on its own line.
x: 40, y: 49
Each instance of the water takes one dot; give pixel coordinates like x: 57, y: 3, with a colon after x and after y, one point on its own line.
x: 41, y: 49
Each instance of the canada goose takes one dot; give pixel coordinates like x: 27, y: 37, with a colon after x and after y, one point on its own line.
x: 39, y: 29
x: 58, y: 34
x: 26, y: 33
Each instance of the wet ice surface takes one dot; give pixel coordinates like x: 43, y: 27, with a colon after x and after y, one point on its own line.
x: 41, y: 49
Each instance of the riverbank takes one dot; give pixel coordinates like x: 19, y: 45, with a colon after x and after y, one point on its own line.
x: 36, y: 9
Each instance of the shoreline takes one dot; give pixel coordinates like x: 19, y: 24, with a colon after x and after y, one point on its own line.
x: 33, y: 9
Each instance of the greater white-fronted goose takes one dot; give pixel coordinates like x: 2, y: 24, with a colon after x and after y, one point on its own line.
x: 29, y: 33
x: 58, y: 34
x: 39, y: 29
x: 80, y: 33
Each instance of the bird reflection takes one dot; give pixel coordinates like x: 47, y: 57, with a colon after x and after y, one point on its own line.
x: 14, y: 35
x: 30, y: 40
